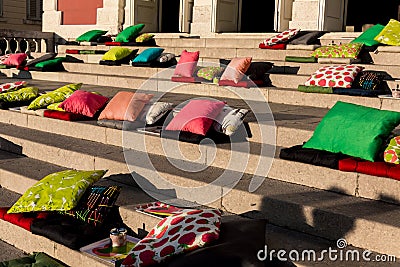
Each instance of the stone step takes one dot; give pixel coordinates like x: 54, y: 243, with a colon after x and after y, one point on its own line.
x: 364, y: 223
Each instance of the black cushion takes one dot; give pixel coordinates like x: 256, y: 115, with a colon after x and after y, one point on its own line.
x: 307, y: 38
x: 45, y: 57
x: 258, y: 70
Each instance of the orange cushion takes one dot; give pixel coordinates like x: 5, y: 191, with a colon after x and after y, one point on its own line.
x: 125, y: 106
x: 236, y: 69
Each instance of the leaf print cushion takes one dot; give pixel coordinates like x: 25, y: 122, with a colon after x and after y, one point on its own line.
x: 209, y: 73
x: 57, y: 191
x: 390, y: 35
x: 338, y: 51
x: 58, y: 95
x: 334, y: 76
x: 392, y: 152
x: 174, y: 235
x: 23, y: 94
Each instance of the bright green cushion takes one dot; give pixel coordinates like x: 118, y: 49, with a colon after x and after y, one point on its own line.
x: 130, y: 33
x: 50, y: 63
x: 117, y: 53
x: 90, y: 36
x: 23, y: 94
x: 57, y: 191
x: 58, y: 95
x: 338, y: 51
x: 367, y: 37
x: 354, y: 130
x: 54, y: 106
x: 390, y: 35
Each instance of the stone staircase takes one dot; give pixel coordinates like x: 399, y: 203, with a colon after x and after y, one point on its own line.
x: 312, y: 206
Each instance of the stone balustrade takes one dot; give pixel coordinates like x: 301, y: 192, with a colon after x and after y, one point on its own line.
x: 26, y: 42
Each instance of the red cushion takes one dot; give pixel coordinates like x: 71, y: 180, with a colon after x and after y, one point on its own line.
x: 113, y: 43
x: 180, y: 79
x: 187, y: 64
x: 245, y: 84
x: 381, y: 169
x: 61, y: 115
x: 72, y: 51
x: 15, y: 59
x: 23, y: 220
x: 85, y: 103
x: 275, y: 46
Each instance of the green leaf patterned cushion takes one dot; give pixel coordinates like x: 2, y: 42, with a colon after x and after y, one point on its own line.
x: 57, y: 191
x: 390, y: 35
x: 392, y: 152
x: 58, y: 95
x: 338, y: 51
x: 23, y: 94
x: 55, y: 106
x: 209, y: 73
x: 144, y: 37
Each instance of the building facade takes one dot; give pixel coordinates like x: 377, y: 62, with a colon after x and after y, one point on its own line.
x: 21, y: 15
x: 70, y: 18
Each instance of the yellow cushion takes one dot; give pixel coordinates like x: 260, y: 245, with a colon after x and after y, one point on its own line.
x: 117, y: 53
x: 390, y: 35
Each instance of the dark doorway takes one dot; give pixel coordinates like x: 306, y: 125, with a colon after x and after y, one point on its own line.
x: 258, y: 15
x: 371, y: 12
x: 170, y: 15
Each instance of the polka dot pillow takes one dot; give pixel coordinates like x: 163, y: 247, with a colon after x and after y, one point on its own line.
x: 282, y: 37
x: 174, y: 235
x: 12, y: 86
x: 334, y: 76
x: 392, y: 152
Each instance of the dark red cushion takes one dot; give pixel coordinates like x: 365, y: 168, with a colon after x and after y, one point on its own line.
x: 275, y: 46
x: 245, y: 84
x: 381, y: 169
x: 113, y: 43
x: 65, y: 116
x: 180, y: 79
x: 72, y: 51
x: 23, y: 220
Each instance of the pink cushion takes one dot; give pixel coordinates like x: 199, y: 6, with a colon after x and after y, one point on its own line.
x: 187, y: 64
x: 180, y: 79
x: 245, y: 84
x: 125, y: 106
x: 196, y: 117
x: 236, y: 69
x: 85, y: 103
x: 15, y: 59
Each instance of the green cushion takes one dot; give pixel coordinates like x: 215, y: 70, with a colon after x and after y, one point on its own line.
x: 130, y: 33
x: 367, y: 37
x: 23, y: 94
x: 57, y: 191
x: 90, y: 36
x: 354, y: 130
x: 315, y: 89
x: 37, y: 259
x: 55, y: 106
x: 58, y: 95
x: 144, y: 37
x: 338, y: 51
x: 48, y: 64
x: 209, y: 73
x: 117, y: 53
x: 390, y: 35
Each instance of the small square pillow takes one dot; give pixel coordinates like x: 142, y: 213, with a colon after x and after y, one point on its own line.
x: 129, y: 33
x: 392, y: 152
x: 367, y: 37
x: 95, y: 204
x: 117, y: 53
x: 281, y: 37
x: 151, y: 113
x: 15, y: 59
x: 338, y: 51
x: 236, y: 69
x: 354, y: 130
x: 209, y: 73
x: 90, y: 36
x: 165, y: 57
x: 390, y: 35
x: 12, y: 86
x: 50, y: 64
x: 148, y: 55
x: 57, y: 191
x: 125, y: 106
x: 368, y: 80
x: 187, y: 64
x: 229, y: 120
x: 196, y: 117
x: 334, y: 76
x: 55, y: 96
x: 175, y: 235
x: 144, y: 37
x: 85, y: 103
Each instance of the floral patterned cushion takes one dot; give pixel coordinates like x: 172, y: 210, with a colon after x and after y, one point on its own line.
x: 144, y: 37
x: 281, y: 37
x: 392, y: 152
x: 12, y: 86
x: 390, y: 35
x: 174, y: 235
x: 209, y: 73
x: 334, y: 76
x: 338, y: 51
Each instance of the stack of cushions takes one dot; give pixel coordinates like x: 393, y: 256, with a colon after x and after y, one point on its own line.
x: 279, y: 41
x: 18, y: 98
x: 390, y: 34
x: 23, y: 220
x: 91, y: 36
x: 148, y: 57
x: 350, y: 50
x: 184, y: 71
x: 42, y: 64
x: 354, y: 130
x: 117, y: 56
x: 367, y: 38
x: 175, y: 235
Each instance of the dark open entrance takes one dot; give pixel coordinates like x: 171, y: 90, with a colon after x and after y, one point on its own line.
x: 371, y: 12
x: 257, y: 15
x: 170, y: 15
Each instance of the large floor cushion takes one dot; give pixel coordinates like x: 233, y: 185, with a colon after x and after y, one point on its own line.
x: 23, y: 220
x: 381, y: 169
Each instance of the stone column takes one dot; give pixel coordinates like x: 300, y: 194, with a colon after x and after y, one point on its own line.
x: 305, y: 15
x: 202, y: 17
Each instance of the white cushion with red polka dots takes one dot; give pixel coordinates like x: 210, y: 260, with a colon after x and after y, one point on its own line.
x: 281, y: 37
x: 12, y: 86
x: 174, y: 235
x: 334, y: 76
